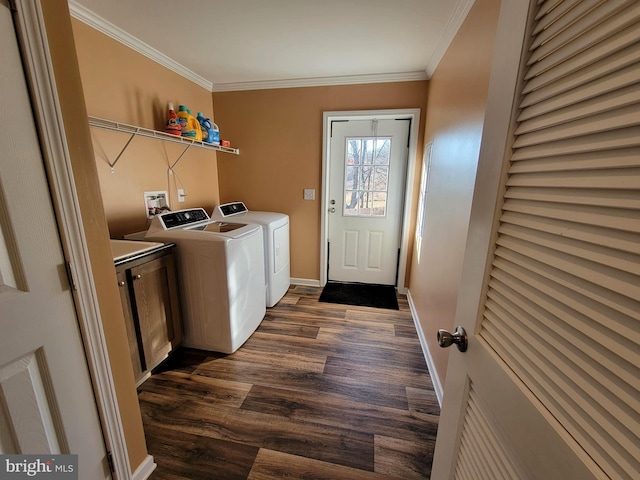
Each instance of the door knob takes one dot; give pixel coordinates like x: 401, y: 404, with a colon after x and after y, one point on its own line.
x: 459, y: 337
x: 332, y: 210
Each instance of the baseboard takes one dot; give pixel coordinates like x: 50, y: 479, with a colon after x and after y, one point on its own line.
x: 306, y: 282
x: 437, y: 385
x: 145, y: 469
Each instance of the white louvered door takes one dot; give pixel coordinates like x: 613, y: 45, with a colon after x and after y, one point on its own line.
x: 550, y: 385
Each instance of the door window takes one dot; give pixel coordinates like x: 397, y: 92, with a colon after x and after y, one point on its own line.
x: 366, y: 178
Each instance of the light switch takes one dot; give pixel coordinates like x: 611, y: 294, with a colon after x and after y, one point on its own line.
x: 309, y: 194
x: 181, y: 195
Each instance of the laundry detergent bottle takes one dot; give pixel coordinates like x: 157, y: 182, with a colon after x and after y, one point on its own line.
x: 207, y: 129
x: 215, y: 132
x: 189, y: 125
x: 196, y: 125
x: 173, y: 125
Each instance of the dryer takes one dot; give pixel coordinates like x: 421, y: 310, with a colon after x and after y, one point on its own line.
x: 276, y: 244
x: 221, y: 267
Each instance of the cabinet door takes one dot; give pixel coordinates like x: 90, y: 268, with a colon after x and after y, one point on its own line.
x: 157, y: 305
x: 132, y: 333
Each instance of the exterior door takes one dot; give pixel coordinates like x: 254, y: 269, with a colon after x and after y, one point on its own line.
x: 46, y: 398
x: 550, y: 298
x: 367, y: 169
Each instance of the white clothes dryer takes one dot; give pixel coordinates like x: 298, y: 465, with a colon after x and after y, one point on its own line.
x: 276, y: 244
x: 221, y: 266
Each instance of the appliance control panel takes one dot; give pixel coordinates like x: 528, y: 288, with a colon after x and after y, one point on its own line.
x: 183, y: 217
x: 229, y: 209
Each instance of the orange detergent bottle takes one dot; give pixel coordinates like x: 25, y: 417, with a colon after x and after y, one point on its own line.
x: 172, y: 126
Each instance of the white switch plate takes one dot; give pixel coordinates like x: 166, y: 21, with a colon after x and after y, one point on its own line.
x: 181, y: 195
x: 309, y: 194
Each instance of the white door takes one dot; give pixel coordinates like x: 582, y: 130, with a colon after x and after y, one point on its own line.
x: 367, y: 165
x: 549, y: 387
x: 46, y: 399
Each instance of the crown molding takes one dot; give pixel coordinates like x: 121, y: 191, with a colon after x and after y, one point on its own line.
x: 87, y: 16
x: 322, y: 81
x: 453, y: 25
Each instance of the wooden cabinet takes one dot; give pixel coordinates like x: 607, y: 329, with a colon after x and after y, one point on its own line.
x: 149, y: 295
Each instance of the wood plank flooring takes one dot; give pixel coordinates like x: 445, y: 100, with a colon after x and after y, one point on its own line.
x: 320, y: 391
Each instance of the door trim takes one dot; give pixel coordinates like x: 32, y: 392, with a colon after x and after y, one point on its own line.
x: 327, y: 118
x: 31, y: 32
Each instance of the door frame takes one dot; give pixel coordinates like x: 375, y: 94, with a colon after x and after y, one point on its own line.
x: 327, y: 117
x: 32, y: 37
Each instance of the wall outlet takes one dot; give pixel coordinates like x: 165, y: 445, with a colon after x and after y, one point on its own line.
x: 181, y: 195
x: 309, y: 194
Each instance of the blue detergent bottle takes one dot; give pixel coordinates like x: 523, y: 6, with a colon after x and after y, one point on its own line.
x: 215, y: 134
x: 207, y: 128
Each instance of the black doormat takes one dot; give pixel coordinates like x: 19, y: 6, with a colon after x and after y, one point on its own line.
x: 362, y: 294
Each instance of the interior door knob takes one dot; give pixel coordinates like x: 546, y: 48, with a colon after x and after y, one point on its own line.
x: 332, y: 210
x: 446, y: 339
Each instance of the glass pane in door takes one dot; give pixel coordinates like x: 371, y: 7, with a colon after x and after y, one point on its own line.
x: 366, y: 178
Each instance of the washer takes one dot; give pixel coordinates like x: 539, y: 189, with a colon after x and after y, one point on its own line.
x: 276, y: 245
x: 221, y: 267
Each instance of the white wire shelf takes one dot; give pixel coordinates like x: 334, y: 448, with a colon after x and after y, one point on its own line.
x: 134, y: 131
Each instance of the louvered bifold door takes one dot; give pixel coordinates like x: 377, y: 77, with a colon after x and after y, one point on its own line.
x: 563, y: 304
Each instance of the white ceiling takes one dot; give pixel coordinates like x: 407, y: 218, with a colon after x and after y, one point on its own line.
x: 239, y: 44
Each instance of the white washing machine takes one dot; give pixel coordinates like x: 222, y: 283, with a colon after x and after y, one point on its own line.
x: 276, y: 244
x: 221, y: 267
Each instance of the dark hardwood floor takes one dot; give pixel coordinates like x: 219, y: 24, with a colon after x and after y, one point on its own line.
x: 320, y: 391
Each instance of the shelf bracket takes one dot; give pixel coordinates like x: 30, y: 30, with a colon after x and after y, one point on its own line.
x: 181, y: 155
x: 112, y: 165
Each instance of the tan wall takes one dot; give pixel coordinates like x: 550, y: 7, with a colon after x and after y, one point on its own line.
x: 121, y: 84
x: 74, y: 112
x: 455, y: 114
x: 279, y: 133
